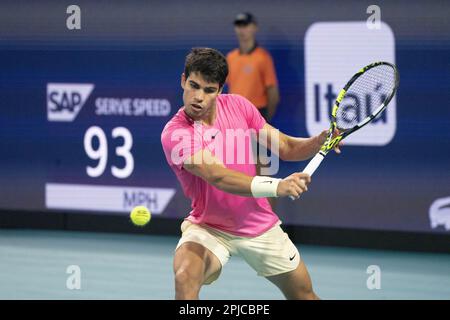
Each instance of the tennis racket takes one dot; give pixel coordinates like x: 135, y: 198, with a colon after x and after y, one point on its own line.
x: 381, y: 77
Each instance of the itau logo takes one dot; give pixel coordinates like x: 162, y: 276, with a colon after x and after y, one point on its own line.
x: 334, y: 51
x: 65, y: 100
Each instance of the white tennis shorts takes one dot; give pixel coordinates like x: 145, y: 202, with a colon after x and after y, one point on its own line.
x: 269, y: 254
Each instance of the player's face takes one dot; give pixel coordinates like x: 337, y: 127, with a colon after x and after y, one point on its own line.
x: 246, y: 32
x: 199, y: 96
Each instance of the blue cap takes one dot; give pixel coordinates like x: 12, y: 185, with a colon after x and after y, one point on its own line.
x: 244, y: 18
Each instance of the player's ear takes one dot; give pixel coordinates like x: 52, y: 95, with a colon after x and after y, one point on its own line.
x: 183, y: 80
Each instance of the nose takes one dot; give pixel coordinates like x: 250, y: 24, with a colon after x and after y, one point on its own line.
x: 199, y: 95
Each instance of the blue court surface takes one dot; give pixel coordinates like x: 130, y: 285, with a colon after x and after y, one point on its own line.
x: 34, y: 264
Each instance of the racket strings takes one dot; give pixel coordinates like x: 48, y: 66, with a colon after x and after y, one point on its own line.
x: 365, y: 95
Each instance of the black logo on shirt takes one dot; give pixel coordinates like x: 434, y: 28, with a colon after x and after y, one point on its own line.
x: 214, y: 136
x: 292, y: 258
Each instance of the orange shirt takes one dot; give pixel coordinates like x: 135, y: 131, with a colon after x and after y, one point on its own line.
x: 250, y: 75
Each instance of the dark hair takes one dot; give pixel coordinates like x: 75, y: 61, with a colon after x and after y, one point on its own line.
x: 210, y: 63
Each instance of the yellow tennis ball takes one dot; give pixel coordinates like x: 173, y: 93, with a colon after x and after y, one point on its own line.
x: 140, y: 216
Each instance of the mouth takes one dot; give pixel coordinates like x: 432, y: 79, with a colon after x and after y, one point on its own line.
x: 196, y: 107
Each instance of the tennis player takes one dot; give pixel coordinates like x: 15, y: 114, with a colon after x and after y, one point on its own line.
x: 230, y: 213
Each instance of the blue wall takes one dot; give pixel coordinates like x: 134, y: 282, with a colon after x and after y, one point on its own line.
x: 383, y: 188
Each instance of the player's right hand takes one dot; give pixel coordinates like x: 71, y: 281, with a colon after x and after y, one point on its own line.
x: 294, y: 185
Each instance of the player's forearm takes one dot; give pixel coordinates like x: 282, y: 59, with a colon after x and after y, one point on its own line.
x: 299, y: 149
x: 232, y: 181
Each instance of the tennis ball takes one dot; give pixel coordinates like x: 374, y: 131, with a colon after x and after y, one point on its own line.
x: 140, y: 216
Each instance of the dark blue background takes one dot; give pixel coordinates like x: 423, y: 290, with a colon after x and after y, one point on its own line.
x: 383, y: 188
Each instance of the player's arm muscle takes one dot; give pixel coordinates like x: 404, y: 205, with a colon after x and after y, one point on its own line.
x: 204, y: 165
x: 291, y: 148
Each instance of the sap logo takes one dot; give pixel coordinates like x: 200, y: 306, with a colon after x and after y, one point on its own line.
x: 369, y: 102
x: 65, y: 100
x: 330, y: 61
x: 439, y: 213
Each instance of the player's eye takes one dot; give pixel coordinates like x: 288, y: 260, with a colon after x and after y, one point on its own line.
x: 194, y: 85
x: 210, y: 90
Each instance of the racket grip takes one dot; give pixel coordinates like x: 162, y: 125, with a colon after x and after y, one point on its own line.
x: 312, y: 166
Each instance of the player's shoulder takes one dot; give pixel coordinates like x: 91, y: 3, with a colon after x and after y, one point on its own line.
x: 230, y: 99
x: 179, y: 121
x: 234, y: 103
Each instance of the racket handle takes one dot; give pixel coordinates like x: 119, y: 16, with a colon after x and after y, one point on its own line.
x: 312, y: 166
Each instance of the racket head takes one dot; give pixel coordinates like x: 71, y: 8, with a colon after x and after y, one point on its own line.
x: 362, y: 99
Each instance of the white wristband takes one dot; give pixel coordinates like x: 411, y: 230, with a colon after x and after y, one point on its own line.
x: 263, y: 187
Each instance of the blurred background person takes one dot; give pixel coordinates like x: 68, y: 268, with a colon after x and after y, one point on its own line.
x: 252, y: 72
